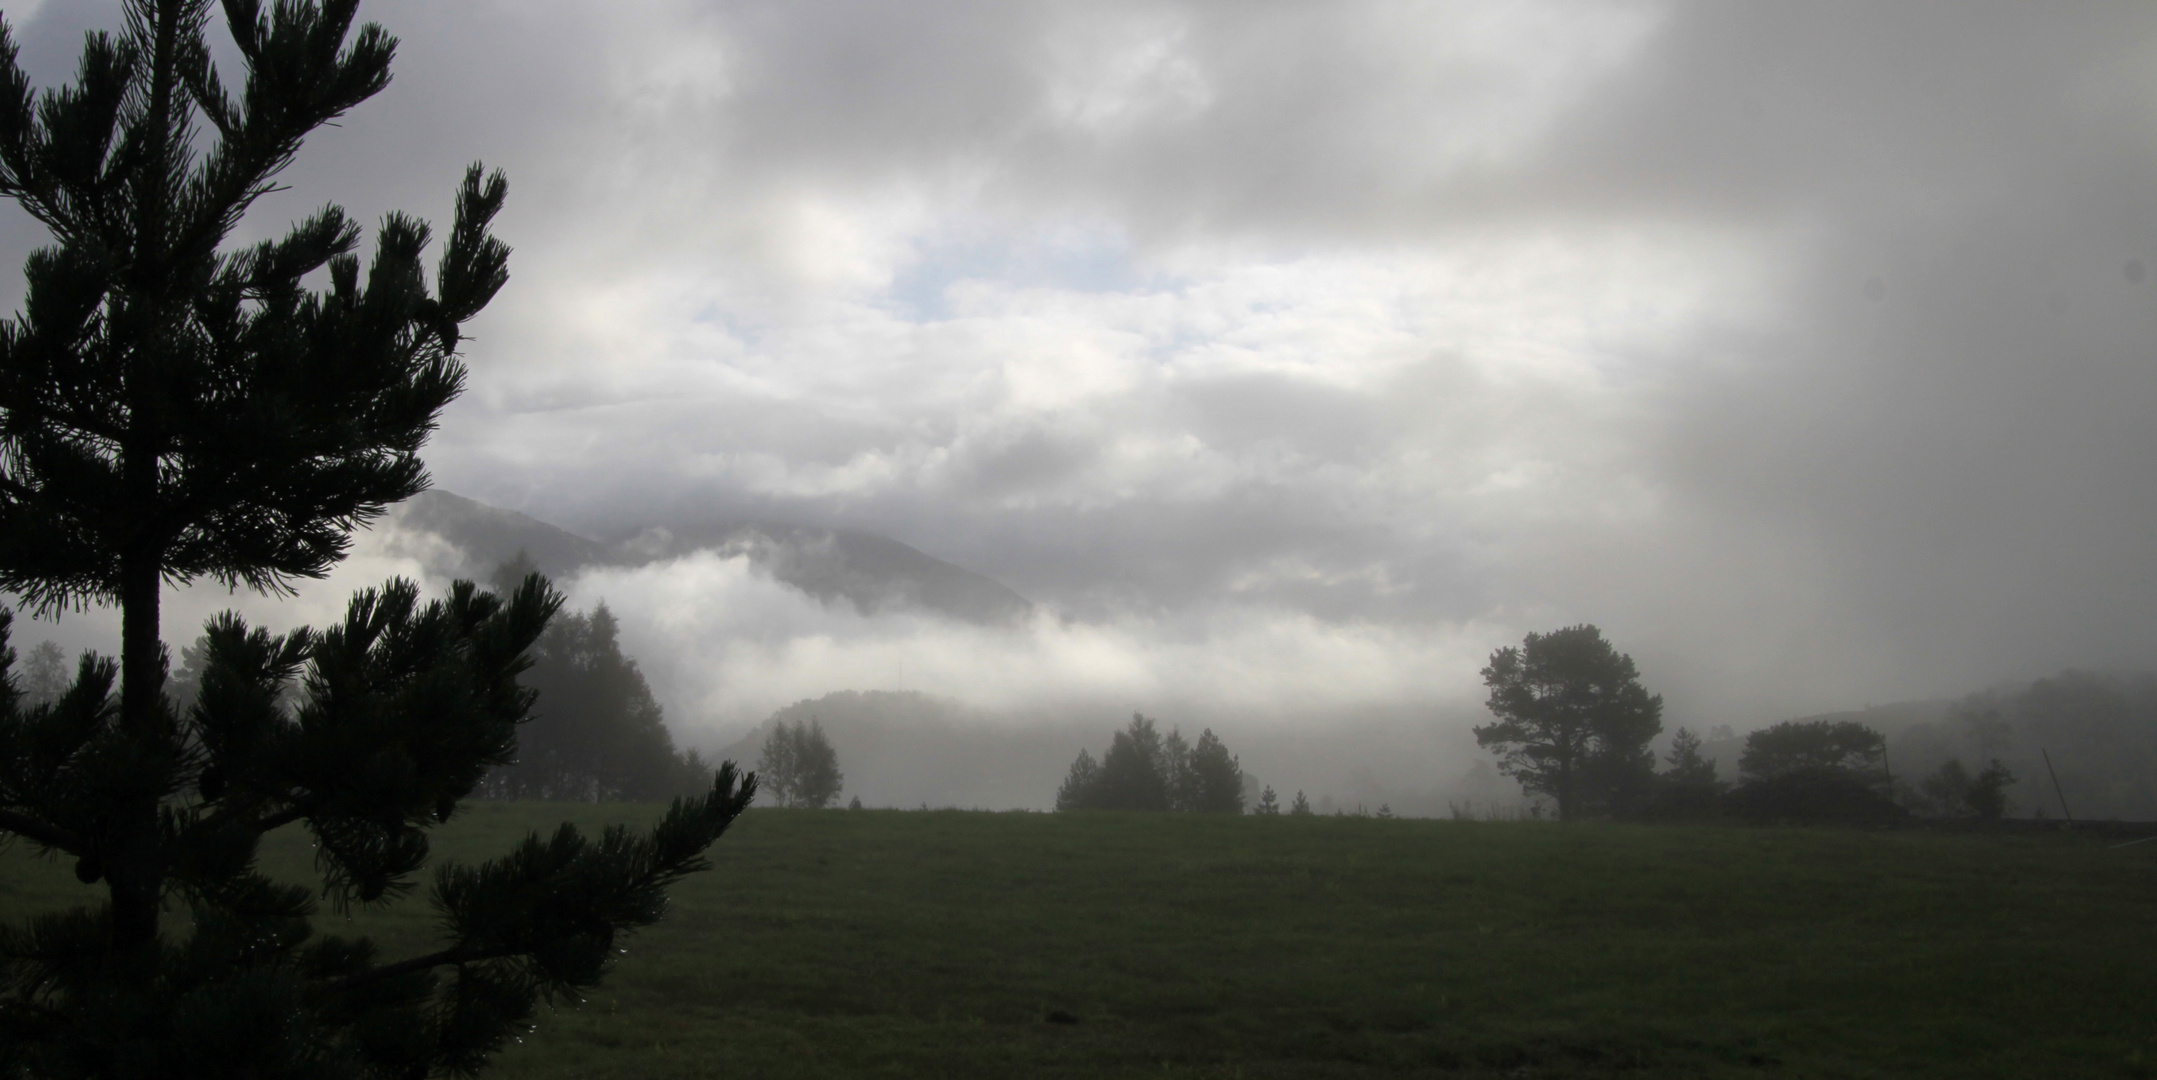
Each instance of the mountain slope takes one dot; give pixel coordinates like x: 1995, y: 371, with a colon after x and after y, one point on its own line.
x: 872, y: 573
x: 488, y: 536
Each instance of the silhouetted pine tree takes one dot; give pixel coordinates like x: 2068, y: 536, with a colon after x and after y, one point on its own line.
x: 171, y: 411
x: 1689, y: 787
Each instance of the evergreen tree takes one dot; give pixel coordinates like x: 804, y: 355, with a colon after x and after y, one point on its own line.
x: 1269, y: 804
x: 1687, y: 765
x: 1132, y: 773
x: 1573, y: 720
x: 596, y: 730
x: 1144, y: 770
x: 171, y: 411
x: 1689, y: 787
x: 1213, y: 780
x: 1301, y: 807
x: 1176, y: 773
x: 185, y: 682
x: 1080, y: 784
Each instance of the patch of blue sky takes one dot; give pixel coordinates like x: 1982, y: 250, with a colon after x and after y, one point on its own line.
x: 732, y: 322
x: 1075, y: 259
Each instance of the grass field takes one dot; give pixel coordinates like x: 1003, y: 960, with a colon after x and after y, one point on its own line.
x: 941, y: 944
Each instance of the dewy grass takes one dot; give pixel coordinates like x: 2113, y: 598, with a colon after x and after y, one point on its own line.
x: 947, y: 944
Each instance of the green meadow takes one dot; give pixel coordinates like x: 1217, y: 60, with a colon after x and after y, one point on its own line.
x: 953, y: 944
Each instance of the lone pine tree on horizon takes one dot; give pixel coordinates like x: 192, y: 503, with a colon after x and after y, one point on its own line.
x: 171, y: 411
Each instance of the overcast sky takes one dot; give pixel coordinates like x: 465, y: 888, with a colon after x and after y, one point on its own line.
x: 1300, y: 354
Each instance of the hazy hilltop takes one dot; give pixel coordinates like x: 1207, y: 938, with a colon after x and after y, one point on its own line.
x: 2099, y: 730
x: 483, y: 537
x: 871, y: 572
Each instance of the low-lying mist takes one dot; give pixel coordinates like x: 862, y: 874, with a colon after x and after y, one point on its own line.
x: 1354, y: 712
x: 932, y: 710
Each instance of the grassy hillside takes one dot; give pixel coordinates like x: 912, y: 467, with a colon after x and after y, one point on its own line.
x: 840, y: 944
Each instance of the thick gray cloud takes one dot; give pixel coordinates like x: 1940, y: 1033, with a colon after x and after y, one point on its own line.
x: 1806, y: 348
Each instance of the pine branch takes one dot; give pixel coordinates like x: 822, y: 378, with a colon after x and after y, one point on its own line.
x: 52, y: 836
x: 413, y: 965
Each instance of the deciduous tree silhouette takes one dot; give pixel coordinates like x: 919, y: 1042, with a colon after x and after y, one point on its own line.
x: 1817, y: 770
x: 1794, y: 745
x: 800, y: 766
x: 45, y: 677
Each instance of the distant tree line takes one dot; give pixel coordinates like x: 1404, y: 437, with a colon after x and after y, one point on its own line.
x: 1574, y: 725
x: 2096, y: 732
x: 1144, y: 770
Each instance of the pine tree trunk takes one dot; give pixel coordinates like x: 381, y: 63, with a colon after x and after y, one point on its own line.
x: 133, y: 857
x: 132, y: 862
